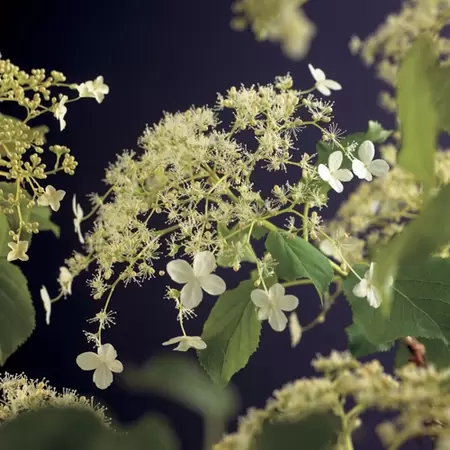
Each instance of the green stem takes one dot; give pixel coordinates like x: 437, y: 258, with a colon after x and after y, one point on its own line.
x: 305, y: 222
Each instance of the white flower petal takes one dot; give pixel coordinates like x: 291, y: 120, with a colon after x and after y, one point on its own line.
x: 103, y: 377
x: 335, y: 161
x: 373, y: 298
x: 260, y: 298
x: 277, y: 320
x: 276, y: 292
x: 88, y: 361
x: 336, y: 184
x: 379, y: 167
x: 331, y: 84
x: 360, y: 290
x: 197, y: 342
x: 107, y: 352
x: 191, y: 294
x: 47, y: 304
x: 327, y: 248
x: 359, y: 169
x: 295, y: 329
x: 317, y: 74
x: 180, y: 271
x: 174, y: 340
x: 204, y: 263
x: 264, y: 313
x: 115, y: 366
x: 212, y: 284
x: 324, y: 172
x: 366, y: 152
x: 320, y: 86
x: 287, y: 302
x: 343, y: 175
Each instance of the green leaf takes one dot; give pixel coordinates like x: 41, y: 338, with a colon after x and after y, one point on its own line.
x: 4, y: 236
x: 237, y: 241
x: 417, y: 111
x: 441, y: 95
x: 315, y: 432
x: 181, y: 379
x: 437, y: 353
x: 231, y: 333
x: 359, y: 345
x: 42, y: 215
x: 376, y: 133
x: 77, y: 428
x: 418, y: 240
x: 17, y: 316
x: 299, y: 259
x: 259, y: 232
x: 420, y: 308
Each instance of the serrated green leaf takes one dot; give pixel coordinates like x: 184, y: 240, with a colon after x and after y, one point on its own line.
x: 42, y: 215
x: 299, y: 259
x: 17, y: 315
x: 420, y: 307
x: 417, y: 111
x: 437, y: 353
x: 418, y: 240
x: 359, y: 345
x: 231, y: 333
x: 315, y: 432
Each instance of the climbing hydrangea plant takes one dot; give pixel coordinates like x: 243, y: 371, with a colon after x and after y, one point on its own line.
x: 189, y: 205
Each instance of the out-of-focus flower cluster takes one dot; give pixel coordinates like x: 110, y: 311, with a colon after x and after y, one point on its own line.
x: 282, y: 21
x: 19, y: 394
x: 377, y: 211
x: 386, y: 47
x: 420, y: 396
x: 22, y: 146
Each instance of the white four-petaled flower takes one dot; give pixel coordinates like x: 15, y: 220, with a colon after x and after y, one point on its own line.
x: 61, y: 111
x: 365, y: 167
x: 186, y: 342
x: 47, y: 304
x: 104, y: 362
x: 365, y: 288
x: 323, y: 85
x: 51, y: 197
x: 65, y: 280
x: 18, y: 251
x: 79, y: 214
x: 272, y: 304
x: 96, y: 89
x: 333, y: 174
x: 196, y: 278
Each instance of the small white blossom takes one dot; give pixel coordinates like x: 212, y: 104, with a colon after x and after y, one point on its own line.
x: 186, y: 342
x: 51, y: 197
x: 61, y: 111
x: 104, y: 362
x: 47, y: 304
x: 365, y: 288
x: 65, y: 281
x: 79, y: 214
x: 295, y: 329
x: 18, y: 251
x: 196, y: 278
x: 322, y: 84
x: 94, y: 89
x: 332, y: 174
x: 272, y: 304
x: 365, y: 167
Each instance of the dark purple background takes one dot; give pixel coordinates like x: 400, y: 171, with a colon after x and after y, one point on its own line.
x: 156, y: 56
